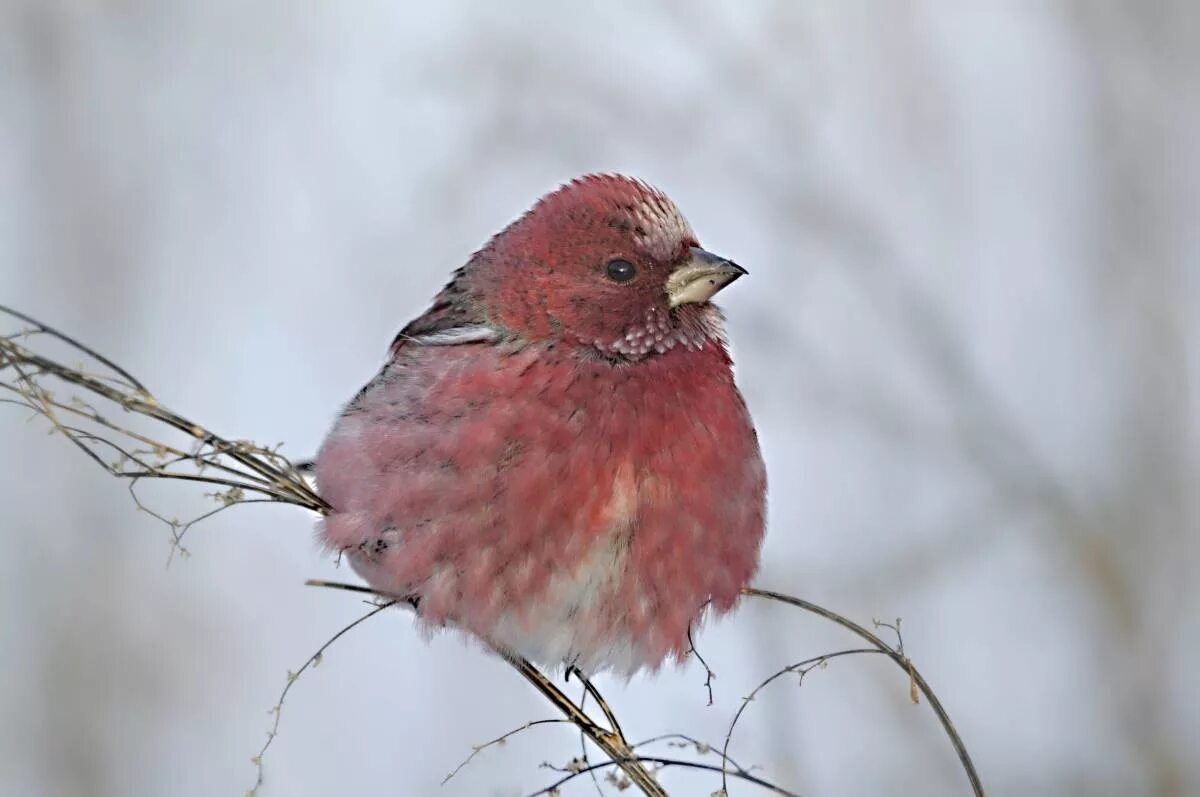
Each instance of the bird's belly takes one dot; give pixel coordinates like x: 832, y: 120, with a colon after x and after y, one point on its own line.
x: 549, y: 605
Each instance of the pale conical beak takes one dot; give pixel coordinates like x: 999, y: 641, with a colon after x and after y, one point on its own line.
x: 700, y: 277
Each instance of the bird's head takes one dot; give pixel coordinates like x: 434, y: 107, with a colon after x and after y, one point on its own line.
x: 605, y: 262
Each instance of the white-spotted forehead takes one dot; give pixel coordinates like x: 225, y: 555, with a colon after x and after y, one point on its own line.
x: 659, y: 226
x: 652, y: 218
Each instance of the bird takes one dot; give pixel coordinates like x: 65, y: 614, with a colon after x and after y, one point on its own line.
x: 555, y: 458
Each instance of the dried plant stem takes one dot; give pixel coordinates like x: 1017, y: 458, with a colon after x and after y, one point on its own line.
x: 799, y: 669
x: 312, y: 661
x: 614, y: 745
x: 661, y: 763
x: 243, y: 465
x: 499, y: 740
x: 903, y: 662
x: 591, y: 690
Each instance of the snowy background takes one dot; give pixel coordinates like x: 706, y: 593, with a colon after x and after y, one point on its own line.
x: 970, y: 341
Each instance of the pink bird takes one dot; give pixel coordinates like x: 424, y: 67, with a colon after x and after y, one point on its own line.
x: 555, y: 457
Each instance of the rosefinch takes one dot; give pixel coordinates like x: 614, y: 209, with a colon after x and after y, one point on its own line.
x: 555, y: 457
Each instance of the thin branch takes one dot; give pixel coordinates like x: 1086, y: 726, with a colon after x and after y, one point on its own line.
x: 660, y: 763
x: 359, y: 588
x: 709, y: 675
x: 613, y: 744
x: 499, y: 740
x: 312, y: 661
x: 266, y: 470
x: 238, y: 469
x: 40, y: 327
x: 590, y: 689
x: 901, y: 661
x: 682, y: 740
x: 583, y: 747
x: 800, y: 668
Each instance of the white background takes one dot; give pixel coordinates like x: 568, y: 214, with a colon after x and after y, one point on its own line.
x: 969, y: 340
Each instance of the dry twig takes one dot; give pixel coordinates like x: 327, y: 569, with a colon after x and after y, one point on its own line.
x: 292, y: 677
x: 901, y: 660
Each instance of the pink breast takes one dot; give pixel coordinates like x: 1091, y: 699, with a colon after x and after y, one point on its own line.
x: 548, y: 503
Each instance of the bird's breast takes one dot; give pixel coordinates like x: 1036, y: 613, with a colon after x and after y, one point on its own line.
x: 535, y: 493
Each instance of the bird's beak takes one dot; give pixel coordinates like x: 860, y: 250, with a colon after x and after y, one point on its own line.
x: 700, y: 276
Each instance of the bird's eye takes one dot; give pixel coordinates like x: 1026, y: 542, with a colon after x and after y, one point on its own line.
x: 621, y: 271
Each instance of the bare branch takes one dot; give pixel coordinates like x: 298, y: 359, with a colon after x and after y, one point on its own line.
x: 660, y: 763
x: 499, y: 740
x: 901, y: 661
x: 312, y: 661
x: 801, y: 669
x: 709, y: 675
x: 247, y: 466
x: 682, y: 740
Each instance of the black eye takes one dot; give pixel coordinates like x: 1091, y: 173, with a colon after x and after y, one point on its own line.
x: 621, y: 271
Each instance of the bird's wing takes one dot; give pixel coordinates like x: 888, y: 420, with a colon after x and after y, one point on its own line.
x: 450, y: 336
x: 452, y: 320
x: 429, y: 336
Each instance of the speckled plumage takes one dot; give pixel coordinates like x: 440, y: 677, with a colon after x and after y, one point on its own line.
x: 556, y: 463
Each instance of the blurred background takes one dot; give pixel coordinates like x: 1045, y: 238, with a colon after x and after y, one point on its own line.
x: 969, y: 340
